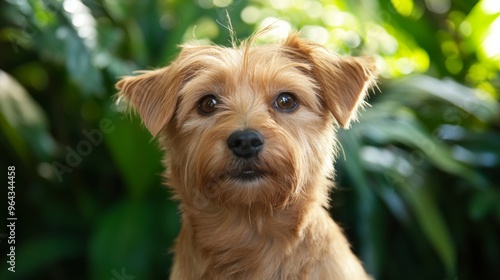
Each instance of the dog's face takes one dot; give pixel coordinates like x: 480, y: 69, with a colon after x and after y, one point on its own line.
x: 250, y: 125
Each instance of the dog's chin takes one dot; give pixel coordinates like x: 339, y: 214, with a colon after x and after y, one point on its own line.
x: 250, y: 185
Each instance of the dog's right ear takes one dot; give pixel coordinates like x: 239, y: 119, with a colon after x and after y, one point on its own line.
x: 153, y: 94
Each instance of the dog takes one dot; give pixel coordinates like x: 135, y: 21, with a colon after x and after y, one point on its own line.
x: 249, y: 138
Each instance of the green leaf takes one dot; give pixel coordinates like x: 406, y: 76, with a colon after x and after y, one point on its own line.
x: 369, y: 217
x: 403, y: 127
x: 81, y: 69
x: 432, y: 223
x: 473, y: 101
x: 136, y: 155
x: 423, y: 205
x: 23, y: 121
x: 403, y: 7
x: 483, y: 203
x: 480, y: 22
x: 34, y: 256
x: 124, y: 241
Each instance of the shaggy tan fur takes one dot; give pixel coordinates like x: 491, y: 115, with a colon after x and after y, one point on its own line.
x: 270, y: 226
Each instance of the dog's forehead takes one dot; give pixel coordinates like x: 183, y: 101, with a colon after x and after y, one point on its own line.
x: 244, y: 56
x: 256, y: 66
x: 266, y: 69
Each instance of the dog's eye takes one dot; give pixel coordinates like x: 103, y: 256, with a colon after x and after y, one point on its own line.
x: 207, y: 105
x: 286, y: 102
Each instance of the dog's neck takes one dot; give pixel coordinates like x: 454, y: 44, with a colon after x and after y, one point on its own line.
x: 253, y: 220
x: 233, y: 238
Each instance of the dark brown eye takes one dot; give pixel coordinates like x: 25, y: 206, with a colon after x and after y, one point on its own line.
x: 286, y: 102
x: 207, y: 105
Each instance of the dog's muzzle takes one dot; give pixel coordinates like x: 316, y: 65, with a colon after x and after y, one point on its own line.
x: 245, y: 143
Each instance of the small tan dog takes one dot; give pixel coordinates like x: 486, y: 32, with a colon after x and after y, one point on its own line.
x: 249, y: 136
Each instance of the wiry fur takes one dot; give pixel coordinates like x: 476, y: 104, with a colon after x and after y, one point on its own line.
x: 276, y: 226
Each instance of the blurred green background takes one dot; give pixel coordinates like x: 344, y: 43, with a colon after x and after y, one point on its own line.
x: 418, y: 180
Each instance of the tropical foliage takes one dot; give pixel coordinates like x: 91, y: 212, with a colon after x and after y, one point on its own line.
x: 418, y: 186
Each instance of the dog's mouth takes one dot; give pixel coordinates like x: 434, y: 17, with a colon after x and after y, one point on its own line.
x: 247, y: 173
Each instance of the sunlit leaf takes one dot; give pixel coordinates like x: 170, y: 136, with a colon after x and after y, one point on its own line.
x: 474, y: 102
x: 479, y: 21
x: 82, y: 71
x: 404, y: 7
x: 406, y: 130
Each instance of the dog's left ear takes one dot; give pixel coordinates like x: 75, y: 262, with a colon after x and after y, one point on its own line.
x: 343, y: 81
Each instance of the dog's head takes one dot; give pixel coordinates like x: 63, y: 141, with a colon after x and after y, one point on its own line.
x: 251, y: 124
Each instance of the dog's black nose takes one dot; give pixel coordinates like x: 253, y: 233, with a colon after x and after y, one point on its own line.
x: 245, y: 143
